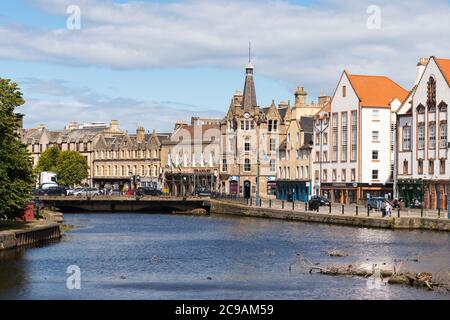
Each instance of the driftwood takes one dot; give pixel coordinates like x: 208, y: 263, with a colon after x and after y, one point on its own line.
x: 422, y: 279
x: 337, y: 253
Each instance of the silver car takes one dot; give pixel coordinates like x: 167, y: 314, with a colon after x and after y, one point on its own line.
x: 87, y: 192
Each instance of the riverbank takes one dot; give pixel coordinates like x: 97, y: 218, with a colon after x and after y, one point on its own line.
x: 18, y: 234
x: 228, y: 207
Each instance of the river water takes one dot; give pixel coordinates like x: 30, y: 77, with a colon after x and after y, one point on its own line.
x: 138, y: 256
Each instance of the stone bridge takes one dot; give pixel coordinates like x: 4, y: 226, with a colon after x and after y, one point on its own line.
x: 125, y: 204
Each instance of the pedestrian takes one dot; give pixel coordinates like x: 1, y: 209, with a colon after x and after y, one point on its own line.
x: 388, y: 209
x: 382, y: 208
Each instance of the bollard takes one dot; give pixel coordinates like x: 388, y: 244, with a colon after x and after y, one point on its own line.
x: 293, y: 205
x: 306, y: 206
x: 342, y: 209
x: 421, y: 212
x: 439, y: 213
x: 329, y: 209
x: 251, y: 201
x: 270, y: 203
x: 398, y: 213
x: 356, y: 210
x: 247, y: 201
x: 282, y: 204
x: 368, y: 211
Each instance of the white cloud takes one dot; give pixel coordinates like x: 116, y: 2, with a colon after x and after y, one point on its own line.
x: 298, y: 45
x: 63, y: 103
x: 291, y: 42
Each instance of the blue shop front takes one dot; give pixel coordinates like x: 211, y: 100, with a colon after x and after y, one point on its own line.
x: 299, y: 190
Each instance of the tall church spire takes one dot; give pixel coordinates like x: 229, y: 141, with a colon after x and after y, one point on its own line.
x: 249, y: 96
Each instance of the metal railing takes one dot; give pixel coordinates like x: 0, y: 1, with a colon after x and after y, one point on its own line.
x: 336, y: 208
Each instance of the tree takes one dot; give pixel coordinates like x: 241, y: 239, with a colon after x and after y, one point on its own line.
x: 48, y: 160
x: 16, y: 172
x: 72, y: 168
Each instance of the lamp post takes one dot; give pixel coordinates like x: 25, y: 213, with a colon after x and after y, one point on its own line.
x: 395, y: 171
x: 321, y: 124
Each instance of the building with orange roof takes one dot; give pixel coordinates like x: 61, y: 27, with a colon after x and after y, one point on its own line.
x: 352, y: 153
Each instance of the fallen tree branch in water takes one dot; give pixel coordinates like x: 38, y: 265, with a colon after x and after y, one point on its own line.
x: 422, y: 279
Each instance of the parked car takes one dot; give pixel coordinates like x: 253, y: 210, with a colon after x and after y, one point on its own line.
x: 375, y: 203
x: 321, y: 200
x: 55, y: 191
x: 148, y: 192
x: 203, y: 192
x: 87, y: 192
x: 116, y: 192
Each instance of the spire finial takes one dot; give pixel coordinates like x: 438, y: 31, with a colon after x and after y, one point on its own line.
x: 249, y: 52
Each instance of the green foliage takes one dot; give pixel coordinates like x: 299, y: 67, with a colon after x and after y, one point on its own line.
x: 48, y: 160
x: 72, y: 168
x: 16, y: 173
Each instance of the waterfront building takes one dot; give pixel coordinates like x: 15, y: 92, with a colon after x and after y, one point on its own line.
x: 294, y: 172
x: 71, y: 138
x: 355, y: 151
x: 123, y: 161
x: 294, y: 169
x: 190, y: 158
x: 250, y: 137
x: 423, y: 160
x: 114, y: 157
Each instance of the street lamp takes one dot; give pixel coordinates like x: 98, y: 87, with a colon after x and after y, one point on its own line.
x: 321, y: 124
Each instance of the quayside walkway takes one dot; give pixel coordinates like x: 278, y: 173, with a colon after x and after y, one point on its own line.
x: 351, y: 215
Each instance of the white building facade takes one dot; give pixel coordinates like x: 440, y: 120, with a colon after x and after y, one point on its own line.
x: 353, y: 157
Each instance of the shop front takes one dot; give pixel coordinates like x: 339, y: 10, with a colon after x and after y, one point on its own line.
x: 271, y: 186
x: 121, y: 184
x: 190, y: 182
x: 410, y: 190
x: 299, y: 190
x: 344, y: 193
x: 436, y: 194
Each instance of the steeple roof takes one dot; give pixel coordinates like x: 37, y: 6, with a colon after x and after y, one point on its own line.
x: 249, y: 96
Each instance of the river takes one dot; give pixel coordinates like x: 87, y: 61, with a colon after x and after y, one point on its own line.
x: 139, y: 256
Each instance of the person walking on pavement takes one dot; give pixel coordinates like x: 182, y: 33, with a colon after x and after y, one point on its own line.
x: 388, y: 209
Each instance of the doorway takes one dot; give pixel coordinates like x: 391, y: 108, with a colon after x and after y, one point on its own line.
x: 247, y: 189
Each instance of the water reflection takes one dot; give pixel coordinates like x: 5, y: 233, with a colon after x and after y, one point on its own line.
x: 139, y: 256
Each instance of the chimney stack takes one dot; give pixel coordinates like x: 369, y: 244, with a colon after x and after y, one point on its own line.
x: 140, y: 134
x: 300, y: 97
x: 114, y: 126
x: 73, y: 125
x: 421, y: 68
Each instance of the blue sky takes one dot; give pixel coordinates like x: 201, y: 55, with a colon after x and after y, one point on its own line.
x: 155, y: 62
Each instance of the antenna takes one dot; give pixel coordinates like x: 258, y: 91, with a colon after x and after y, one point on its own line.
x: 249, y: 52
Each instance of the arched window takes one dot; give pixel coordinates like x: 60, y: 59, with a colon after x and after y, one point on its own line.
x: 442, y: 106
x: 420, y: 108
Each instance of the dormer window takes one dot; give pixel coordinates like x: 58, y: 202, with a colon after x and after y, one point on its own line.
x: 420, y: 109
x: 442, y: 106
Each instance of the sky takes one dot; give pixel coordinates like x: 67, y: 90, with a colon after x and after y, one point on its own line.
x: 152, y: 63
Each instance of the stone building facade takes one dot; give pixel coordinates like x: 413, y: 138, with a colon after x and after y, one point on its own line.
x: 71, y: 138
x: 190, y: 158
x: 123, y: 161
x: 250, y: 138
